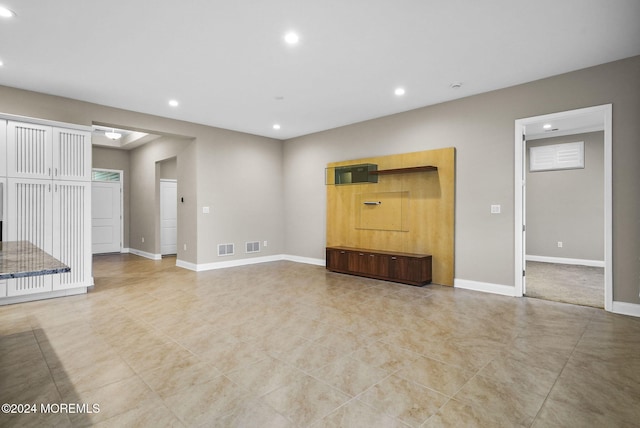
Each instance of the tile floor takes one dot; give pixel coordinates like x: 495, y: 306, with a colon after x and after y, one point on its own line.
x: 291, y: 345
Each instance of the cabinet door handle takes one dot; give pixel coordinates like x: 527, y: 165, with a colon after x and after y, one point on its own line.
x: 49, y: 173
x: 55, y: 172
x: 342, y: 252
x: 394, y: 258
x: 361, y: 254
x: 372, y: 255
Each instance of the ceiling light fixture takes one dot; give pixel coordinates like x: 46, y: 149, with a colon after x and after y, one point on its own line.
x: 113, y: 135
x: 547, y: 126
x: 276, y: 126
x: 399, y: 91
x: 291, y: 38
x: 173, y: 103
x: 6, y: 13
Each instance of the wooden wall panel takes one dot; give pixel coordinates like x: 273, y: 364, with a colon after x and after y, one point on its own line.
x: 431, y: 206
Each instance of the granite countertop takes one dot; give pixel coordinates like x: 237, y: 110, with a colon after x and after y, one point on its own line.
x: 21, y: 258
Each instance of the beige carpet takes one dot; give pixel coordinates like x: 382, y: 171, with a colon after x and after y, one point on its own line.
x: 579, y: 285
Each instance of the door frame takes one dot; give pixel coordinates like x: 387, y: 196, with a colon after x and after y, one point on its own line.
x: 520, y: 191
x: 121, y: 172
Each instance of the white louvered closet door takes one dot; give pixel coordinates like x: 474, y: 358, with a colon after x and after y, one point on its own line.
x: 29, y: 153
x: 72, y: 233
x: 29, y: 209
x: 71, y: 155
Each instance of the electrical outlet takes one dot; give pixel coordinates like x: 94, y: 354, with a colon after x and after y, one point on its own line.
x: 185, y: 247
x: 559, y: 244
x: 264, y: 243
x: 495, y: 209
x: 143, y: 239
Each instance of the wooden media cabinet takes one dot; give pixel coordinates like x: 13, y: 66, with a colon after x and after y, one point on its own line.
x: 407, y: 268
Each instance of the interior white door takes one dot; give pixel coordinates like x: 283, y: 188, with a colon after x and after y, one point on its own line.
x: 105, y: 217
x: 168, y: 216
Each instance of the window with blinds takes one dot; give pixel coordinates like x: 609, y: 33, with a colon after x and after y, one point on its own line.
x: 557, y: 157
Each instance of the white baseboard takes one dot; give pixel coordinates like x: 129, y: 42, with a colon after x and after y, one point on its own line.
x: 249, y: 261
x: 145, y: 254
x: 187, y: 265
x: 486, y: 287
x: 41, y: 296
x: 565, y: 261
x: 624, y: 308
x: 306, y: 260
x: 125, y: 250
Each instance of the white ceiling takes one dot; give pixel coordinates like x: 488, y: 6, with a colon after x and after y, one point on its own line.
x: 227, y: 64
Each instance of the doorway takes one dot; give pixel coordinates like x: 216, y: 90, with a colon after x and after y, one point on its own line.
x: 563, y: 123
x: 106, y: 211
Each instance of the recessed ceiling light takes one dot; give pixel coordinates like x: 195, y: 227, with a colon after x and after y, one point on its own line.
x: 173, y: 103
x: 399, y: 91
x: 6, y: 13
x: 291, y: 38
x: 276, y: 126
x: 547, y: 126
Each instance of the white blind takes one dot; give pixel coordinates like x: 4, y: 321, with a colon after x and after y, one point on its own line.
x: 557, y: 156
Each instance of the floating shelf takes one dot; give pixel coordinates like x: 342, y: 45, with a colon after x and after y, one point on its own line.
x: 424, y: 168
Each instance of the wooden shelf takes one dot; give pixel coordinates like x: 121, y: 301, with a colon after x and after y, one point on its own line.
x: 424, y: 168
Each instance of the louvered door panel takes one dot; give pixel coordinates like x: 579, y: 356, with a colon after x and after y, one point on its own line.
x: 72, y: 233
x: 29, y: 153
x: 71, y: 155
x: 3, y: 148
x: 29, y: 219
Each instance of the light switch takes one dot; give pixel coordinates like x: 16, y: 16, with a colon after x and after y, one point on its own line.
x: 495, y: 209
x: 205, y: 210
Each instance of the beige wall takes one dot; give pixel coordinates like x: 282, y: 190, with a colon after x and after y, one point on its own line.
x: 145, y: 179
x: 481, y: 127
x: 168, y: 169
x: 567, y: 205
x: 199, y: 171
x: 117, y: 159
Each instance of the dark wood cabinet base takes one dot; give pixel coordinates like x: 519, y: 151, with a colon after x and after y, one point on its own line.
x: 407, y: 268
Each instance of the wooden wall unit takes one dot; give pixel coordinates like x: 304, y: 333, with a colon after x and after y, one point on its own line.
x: 428, y: 226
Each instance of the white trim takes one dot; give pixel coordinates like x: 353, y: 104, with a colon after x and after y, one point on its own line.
x: 306, y: 260
x: 41, y: 296
x: 624, y: 308
x: 565, y: 261
x: 486, y: 287
x: 520, y: 125
x: 235, y: 263
x: 187, y: 265
x: 248, y: 261
x: 125, y: 250
x: 145, y: 254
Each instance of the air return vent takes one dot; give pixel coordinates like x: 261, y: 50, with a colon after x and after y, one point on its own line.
x: 252, y: 247
x: 225, y: 250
